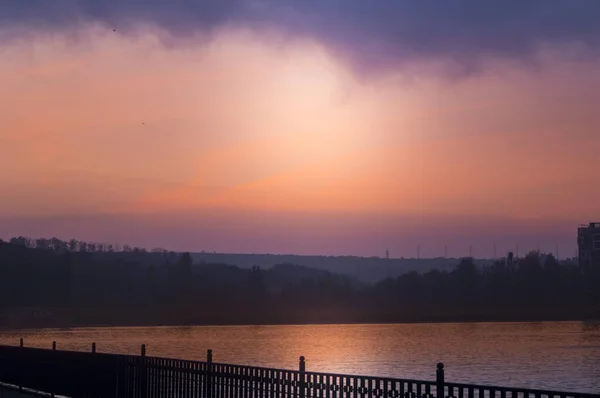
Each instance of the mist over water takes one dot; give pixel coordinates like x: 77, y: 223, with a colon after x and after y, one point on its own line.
x: 550, y: 355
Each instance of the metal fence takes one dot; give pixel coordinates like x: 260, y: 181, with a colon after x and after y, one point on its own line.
x: 99, y: 375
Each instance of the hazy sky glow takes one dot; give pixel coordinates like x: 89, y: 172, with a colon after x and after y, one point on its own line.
x: 234, y: 129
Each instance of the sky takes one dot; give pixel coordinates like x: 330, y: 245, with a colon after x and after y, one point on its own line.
x: 309, y: 127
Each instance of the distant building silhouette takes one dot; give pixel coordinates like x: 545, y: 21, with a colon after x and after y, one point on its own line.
x: 588, y: 242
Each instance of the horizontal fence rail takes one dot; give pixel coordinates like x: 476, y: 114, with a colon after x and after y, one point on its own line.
x: 99, y: 375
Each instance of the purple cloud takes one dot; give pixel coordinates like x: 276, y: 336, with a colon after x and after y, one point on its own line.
x: 371, y: 33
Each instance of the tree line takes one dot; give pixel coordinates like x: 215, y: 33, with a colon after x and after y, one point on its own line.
x: 74, y: 245
x: 49, y: 282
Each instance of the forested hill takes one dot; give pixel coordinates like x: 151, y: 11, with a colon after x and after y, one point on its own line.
x: 365, y: 269
x: 48, y: 284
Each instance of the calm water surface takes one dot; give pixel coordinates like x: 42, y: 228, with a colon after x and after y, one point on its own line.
x: 562, y: 356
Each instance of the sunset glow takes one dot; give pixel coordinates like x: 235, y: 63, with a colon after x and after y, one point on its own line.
x: 255, y: 135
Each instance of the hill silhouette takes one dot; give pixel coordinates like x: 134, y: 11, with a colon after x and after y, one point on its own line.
x: 52, y: 283
x: 365, y: 269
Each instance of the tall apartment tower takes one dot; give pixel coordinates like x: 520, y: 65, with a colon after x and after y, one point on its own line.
x: 588, y: 242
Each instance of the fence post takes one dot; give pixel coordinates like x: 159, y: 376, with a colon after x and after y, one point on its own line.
x: 93, y: 348
x: 53, y: 349
x: 209, y: 376
x: 143, y: 380
x: 20, y: 371
x: 439, y: 380
x: 302, y: 377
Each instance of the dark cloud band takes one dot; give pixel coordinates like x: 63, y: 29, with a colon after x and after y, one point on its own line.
x: 371, y: 32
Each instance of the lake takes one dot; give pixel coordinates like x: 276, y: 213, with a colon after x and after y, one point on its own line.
x: 549, y: 355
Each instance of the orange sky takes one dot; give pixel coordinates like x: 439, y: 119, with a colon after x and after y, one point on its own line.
x: 245, y: 124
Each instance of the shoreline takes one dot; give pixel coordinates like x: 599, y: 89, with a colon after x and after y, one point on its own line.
x: 5, y: 328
